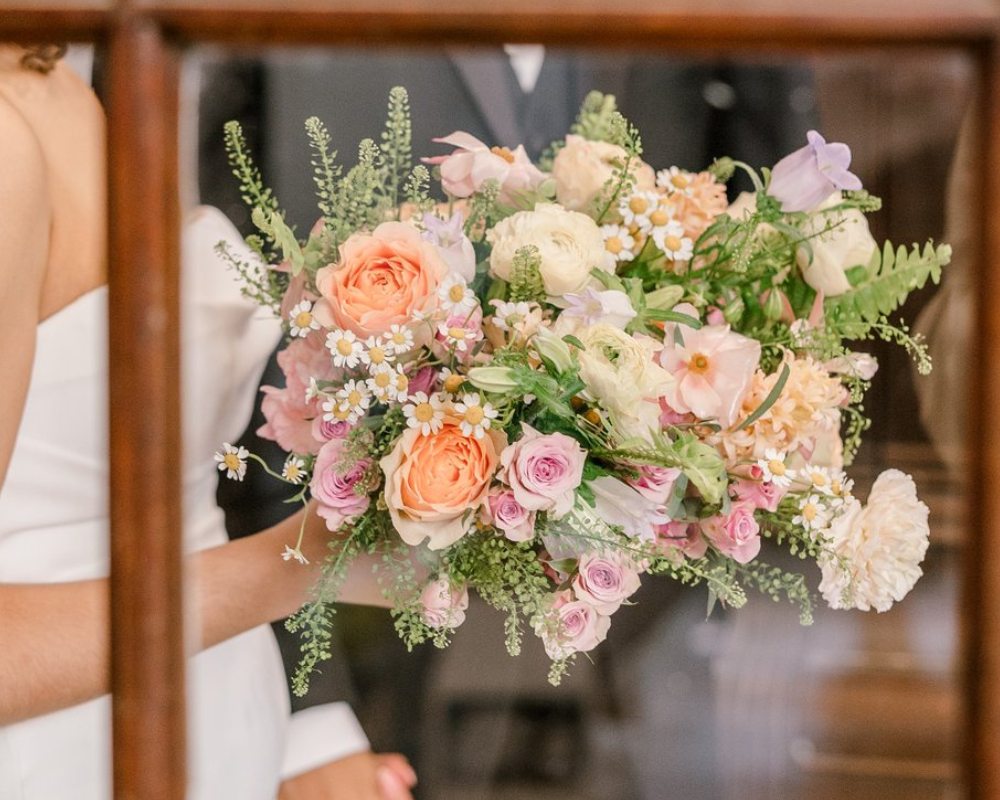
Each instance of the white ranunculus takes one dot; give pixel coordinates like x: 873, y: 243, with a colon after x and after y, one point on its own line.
x: 569, y: 243
x: 619, y: 370
x: 582, y: 167
x: 877, y: 548
x: 849, y: 244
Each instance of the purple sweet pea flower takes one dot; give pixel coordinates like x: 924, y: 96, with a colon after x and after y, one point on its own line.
x: 804, y: 179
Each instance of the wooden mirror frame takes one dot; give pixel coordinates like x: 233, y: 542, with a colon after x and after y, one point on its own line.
x: 145, y: 41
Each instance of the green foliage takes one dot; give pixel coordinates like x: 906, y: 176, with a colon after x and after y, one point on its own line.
x: 775, y: 582
x: 599, y: 120
x: 256, y: 283
x: 891, y: 275
x: 396, y: 152
x: 526, y: 276
x: 252, y: 188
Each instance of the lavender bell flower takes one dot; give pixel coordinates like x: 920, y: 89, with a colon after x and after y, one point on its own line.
x: 450, y: 239
x: 804, y: 179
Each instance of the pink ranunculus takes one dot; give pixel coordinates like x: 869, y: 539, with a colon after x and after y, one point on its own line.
x: 543, y: 470
x: 680, y: 539
x: 605, y: 582
x: 443, y: 605
x: 572, y: 626
x: 516, y: 522
x: 323, y: 430
x: 655, y: 483
x: 713, y: 369
x: 473, y: 163
x: 736, y: 535
x: 753, y: 489
x: 335, y: 488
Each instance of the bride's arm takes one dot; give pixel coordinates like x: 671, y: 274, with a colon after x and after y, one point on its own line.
x: 54, y: 638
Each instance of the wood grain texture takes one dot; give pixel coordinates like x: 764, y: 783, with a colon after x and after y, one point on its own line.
x: 147, y: 586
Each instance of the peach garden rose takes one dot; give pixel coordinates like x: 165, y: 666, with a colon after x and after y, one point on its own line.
x: 432, y: 481
x: 382, y: 279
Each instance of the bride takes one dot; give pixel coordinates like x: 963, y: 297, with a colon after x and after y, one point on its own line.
x: 54, y: 712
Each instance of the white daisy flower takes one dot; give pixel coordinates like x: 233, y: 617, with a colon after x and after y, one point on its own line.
x: 458, y: 336
x: 636, y: 208
x: 233, y: 461
x: 355, y: 399
x: 671, y: 240
x: 476, y: 416
x: 506, y: 316
x: 451, y: 382
x: 376, y: 353
x: 398, y: 339
x: 346, y: 348
x: 289, y: 554
x: 294, y: 470
x: 775, y: 471
x: 332, y: 411
x: 382, y: 382
x: 814, y: 513
x: 819, y: 477
x: 619, y: 242
x: 840, y: 485
x: 424, y: 413
x: 301, y: 320
x: 675, y: 180
x: 399, y: 388
x: 457, y: 299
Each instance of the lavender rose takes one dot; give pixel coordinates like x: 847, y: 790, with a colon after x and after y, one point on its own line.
x: 543, y: 471
x: 737, y: 535
x: 604, y: 582
x: 573, y: 626
x: 444, y: 605
x: 516, y: 522
x: 335, y: 488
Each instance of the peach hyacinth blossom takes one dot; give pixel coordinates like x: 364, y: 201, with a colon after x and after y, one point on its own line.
x: 382, y: 279
x: 432, y: 481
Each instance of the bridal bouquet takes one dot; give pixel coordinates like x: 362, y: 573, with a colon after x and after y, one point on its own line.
x: 572, y: 374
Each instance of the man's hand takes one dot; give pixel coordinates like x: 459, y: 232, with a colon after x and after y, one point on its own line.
x: 361, y: 776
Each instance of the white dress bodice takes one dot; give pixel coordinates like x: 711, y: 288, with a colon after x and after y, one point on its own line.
x: 54, y: 527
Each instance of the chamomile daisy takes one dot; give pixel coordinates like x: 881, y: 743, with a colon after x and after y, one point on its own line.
x: 636, y: 208
x: 424, y: 413
x: 398, y: 340
x: 619, y: 242
x: 294, y: 470
x: 355, y: 399
x: 289, y: 554
x: 459, y: 336
x: 301, y: 320
x: 376, y: 353
x: 399, y: 388
x: 675, y: 180
x: 457, y: 299
x: 345, y: 347
x: 814, y: 514
x: 451, y: 382
x: 672, y: 242
x: 233, y: 461
x: 476, y: 416
x: 773, y: 466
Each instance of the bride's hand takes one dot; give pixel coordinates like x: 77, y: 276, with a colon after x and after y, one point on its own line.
x: 361, y: 776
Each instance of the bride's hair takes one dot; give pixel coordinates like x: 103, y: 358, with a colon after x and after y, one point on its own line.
x: 42, y: 57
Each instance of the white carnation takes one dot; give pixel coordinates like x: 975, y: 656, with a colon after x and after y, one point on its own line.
x: 570, y: 245
x: 876, y: 549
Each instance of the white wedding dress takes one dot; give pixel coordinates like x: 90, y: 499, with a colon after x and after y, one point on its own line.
x: 54, y: 527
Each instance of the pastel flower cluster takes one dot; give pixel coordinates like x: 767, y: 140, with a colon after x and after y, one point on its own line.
x: 575, y: 374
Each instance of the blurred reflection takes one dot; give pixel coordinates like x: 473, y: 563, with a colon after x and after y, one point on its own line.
x: 743, y: 705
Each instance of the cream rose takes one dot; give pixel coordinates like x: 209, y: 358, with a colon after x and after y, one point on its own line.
x: 582, y: 167
x: 382, y: 279
x: 432, y: 481
x: 848, y: 245
x: 569, y: 243
x: 620, y: 371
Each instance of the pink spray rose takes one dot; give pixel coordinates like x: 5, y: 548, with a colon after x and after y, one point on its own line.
x: 655, y: 483
x: 680, y: 539
x: 473, y: 163
x: 604, y: 582
x: 334, y: 488
x: 736, y: 535
x: 444, y: 606
x: 323, y: 430
x: 516, y: 522
x: 543, y: 470
x: 572, y: 626
x: 753, y: 489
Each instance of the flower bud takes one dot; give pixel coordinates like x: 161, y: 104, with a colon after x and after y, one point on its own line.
x: 665, y: 298
x: 554, y: 349
x: 493, y: 379
x: 773, y: 305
